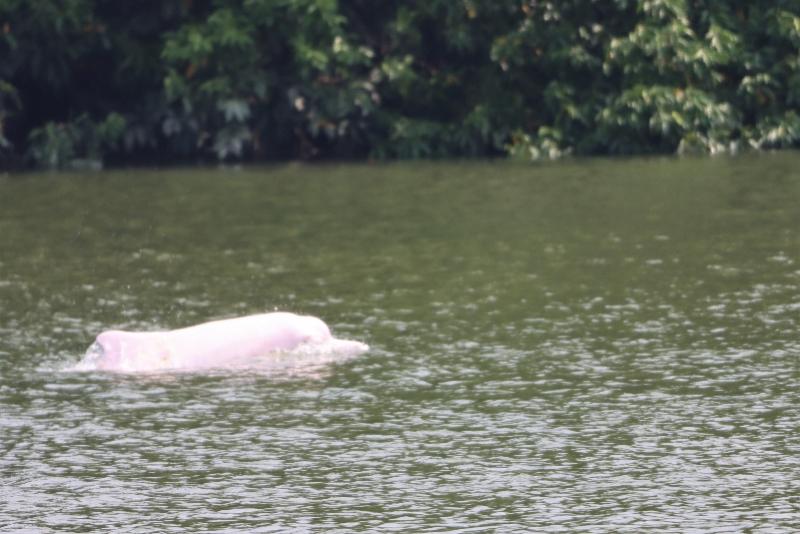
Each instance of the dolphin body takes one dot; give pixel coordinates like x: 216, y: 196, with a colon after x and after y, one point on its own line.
x: 228, y: 343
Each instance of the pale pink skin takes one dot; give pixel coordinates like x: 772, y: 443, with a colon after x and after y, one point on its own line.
x: 216, y: 343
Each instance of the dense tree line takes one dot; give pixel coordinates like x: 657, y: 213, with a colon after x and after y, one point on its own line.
x: 83, y: 81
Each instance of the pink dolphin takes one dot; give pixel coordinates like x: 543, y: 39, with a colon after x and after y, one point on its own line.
x: 228, y: 342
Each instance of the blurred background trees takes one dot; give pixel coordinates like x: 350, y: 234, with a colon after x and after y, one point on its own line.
x: 87, y: 81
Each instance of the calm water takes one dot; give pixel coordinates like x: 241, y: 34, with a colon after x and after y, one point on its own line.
x: 591, y: 346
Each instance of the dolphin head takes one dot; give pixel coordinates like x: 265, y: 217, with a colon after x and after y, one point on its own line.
x: 314, y: 330
x: 318, y: 333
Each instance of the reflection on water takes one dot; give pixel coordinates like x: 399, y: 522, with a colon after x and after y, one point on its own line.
x: 601, y: 346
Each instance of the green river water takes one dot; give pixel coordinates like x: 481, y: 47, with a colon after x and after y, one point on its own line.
x: 585, y: 346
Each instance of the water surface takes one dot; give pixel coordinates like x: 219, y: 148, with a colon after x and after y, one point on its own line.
x: 588, y: 346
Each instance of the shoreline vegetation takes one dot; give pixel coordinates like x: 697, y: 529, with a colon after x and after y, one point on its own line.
x: 87, y: 83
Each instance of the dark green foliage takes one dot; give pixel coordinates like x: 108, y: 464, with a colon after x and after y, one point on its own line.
x: 167, y: 80
x: 80, y: 143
